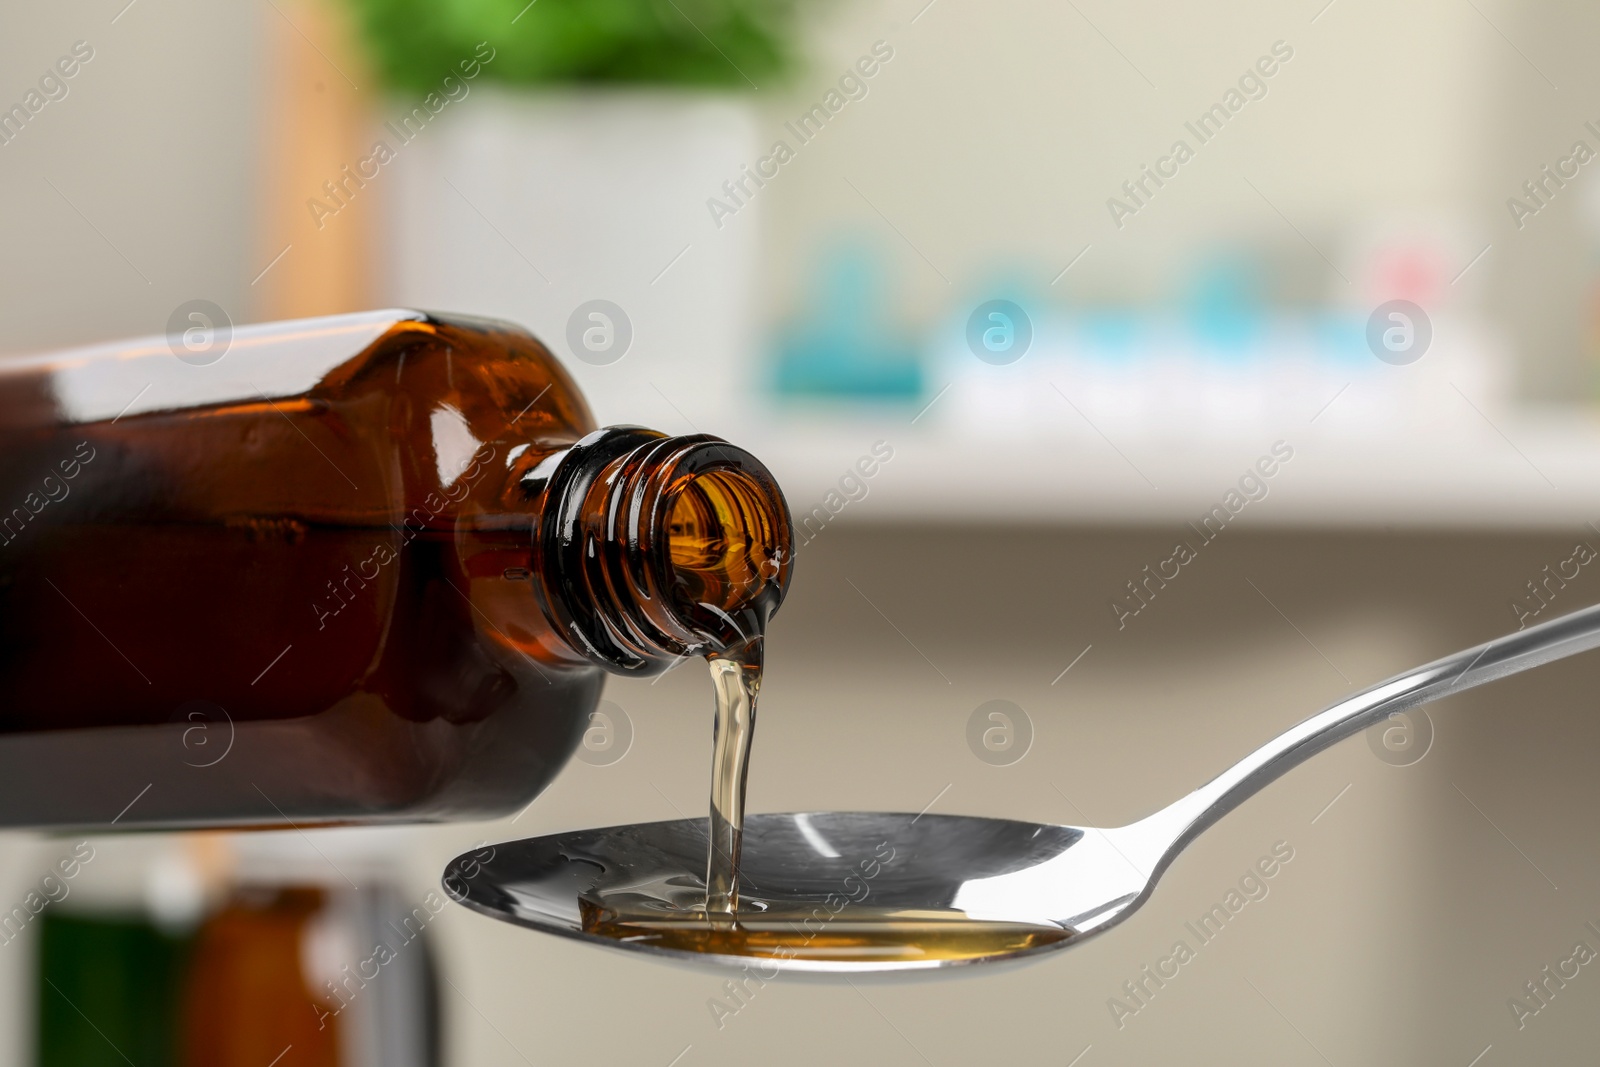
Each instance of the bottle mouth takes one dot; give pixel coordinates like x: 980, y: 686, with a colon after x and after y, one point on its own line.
x: 653, y: 548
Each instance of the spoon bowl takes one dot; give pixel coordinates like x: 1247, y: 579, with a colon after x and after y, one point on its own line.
x: 855, y: 893
x: 953, y: 889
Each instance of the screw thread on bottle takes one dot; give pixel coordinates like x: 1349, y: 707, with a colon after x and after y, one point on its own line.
x: 650, y: 548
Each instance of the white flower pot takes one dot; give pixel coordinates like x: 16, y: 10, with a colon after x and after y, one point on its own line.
x: 526, y: 205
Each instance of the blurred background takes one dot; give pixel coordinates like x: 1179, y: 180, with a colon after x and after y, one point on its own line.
x: 1077, y: 269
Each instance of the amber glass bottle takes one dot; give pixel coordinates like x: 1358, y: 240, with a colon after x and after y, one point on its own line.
x: 248, y: 994
x: 370, y: 567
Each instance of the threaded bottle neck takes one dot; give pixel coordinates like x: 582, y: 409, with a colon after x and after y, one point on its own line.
x: 650, y: 548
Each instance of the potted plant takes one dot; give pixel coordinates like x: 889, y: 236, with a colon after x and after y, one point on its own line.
x: 553, y: 162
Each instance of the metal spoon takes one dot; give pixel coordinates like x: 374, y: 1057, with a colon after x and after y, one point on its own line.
x: 821, y: 872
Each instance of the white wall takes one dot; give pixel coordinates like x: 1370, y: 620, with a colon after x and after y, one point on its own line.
x: 154, y: 145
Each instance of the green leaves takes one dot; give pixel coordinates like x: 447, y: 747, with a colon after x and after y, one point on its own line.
x: 711, y: 43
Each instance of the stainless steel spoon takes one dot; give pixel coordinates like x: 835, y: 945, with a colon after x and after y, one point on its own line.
x: 822, y: 867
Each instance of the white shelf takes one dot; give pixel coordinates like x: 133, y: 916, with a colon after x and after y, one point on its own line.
x: 1524, y: 470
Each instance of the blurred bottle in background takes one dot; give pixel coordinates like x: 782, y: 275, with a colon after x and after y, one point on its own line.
x: 241, y: 953
x: 109, y: 990
x: 845, y: 345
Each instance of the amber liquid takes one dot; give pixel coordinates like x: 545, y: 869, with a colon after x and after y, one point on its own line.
x: 857, y: 935
x: 736, y: 680
x: 669, y: 913
x: 713, y: 542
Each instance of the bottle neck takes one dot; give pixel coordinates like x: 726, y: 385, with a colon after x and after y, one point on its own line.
x: 650, y: 548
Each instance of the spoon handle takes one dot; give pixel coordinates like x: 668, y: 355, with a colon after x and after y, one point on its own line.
x: 1166, y: 832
